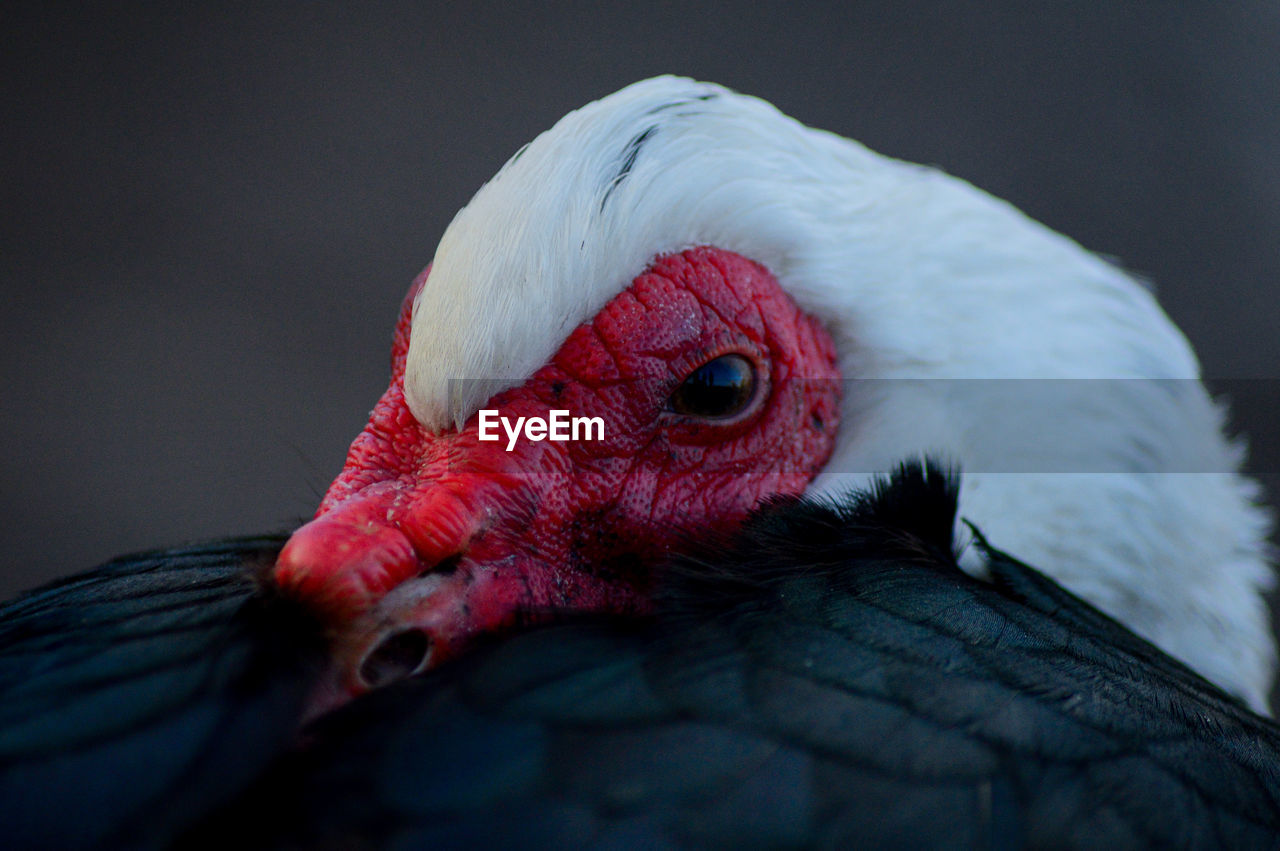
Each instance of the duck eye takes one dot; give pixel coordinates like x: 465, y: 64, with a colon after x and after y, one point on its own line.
x: 719, y: 388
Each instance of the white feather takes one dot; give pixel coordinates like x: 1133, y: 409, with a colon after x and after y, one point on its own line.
x: 1108, y: 471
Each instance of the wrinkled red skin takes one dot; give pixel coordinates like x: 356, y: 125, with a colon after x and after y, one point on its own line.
x: 555, y: 526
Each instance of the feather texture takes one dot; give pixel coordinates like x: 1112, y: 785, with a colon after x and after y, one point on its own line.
x: 134, y: 697
x: 831, y: 679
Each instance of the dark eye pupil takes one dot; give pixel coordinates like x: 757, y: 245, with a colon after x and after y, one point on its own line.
x: 719, y: 388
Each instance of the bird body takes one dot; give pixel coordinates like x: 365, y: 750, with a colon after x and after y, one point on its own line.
x: 829, y: 678
x: 766, y: 318
x: 826, y: 676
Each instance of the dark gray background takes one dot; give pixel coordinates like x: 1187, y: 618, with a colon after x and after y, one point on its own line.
x: 210, y: 217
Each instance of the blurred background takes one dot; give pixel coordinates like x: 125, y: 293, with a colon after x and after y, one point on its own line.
x: 210, y: 217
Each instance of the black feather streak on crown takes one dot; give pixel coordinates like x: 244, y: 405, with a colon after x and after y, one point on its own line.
x: 632, y: 150
x: 628, y: 161
x: 905, y: 518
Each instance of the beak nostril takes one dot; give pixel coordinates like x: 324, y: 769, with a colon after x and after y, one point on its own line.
x: 444, y: 567
x: 399, y: 655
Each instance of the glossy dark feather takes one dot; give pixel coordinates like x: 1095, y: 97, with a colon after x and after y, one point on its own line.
x: 135, y: 697
x: 829, y: 679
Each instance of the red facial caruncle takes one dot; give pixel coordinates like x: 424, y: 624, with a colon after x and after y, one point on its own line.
x: 715, y: 392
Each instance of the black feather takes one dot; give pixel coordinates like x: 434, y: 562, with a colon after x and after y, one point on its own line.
x: 791, y: 541
x: 134, y: 697
x: 676, y: 104
x: 832, y: 680
x: 629, y: 155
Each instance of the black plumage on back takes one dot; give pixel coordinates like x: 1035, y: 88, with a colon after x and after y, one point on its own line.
x: 828, y: 678
x: 136, y: 697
